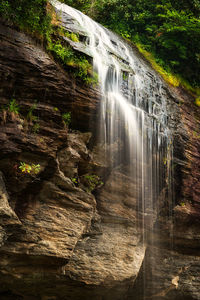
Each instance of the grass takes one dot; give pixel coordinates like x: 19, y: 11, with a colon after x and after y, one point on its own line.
x: 172, y: 79
x: 169, y: 78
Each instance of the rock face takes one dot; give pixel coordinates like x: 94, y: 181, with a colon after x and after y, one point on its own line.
x: 43, y: 80
x: 58, y: 240
x: 9, y: 220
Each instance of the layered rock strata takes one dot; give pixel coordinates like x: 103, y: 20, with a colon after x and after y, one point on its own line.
x: 58, y: 239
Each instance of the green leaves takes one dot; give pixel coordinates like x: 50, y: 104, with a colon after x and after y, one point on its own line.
x: 32, y: 169
x: 169, y: 29
x: 92, y: 181
x: 66, y: 118
x: 28, y: 15
x: 63, y: 53
x: 13, y: 107
x: 197, y: 101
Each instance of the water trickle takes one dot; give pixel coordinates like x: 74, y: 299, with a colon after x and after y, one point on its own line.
x: 134, y: 117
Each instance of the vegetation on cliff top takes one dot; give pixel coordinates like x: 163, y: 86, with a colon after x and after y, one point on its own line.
x: 166, y: 32
x: 38, y: 18
x: 29, y: 15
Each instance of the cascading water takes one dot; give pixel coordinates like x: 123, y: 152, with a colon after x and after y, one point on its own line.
x: 133, y: 118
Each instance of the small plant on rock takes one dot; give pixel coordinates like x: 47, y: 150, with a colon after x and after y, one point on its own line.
x: 92, y: 182
x: 74, y: 180
x: 32, y: 120
x: 66, y: 118
x: 30, y: 117
x: 36, y: 128
x: 36, y: 168
x: 13, y: 109
x: 32, y: 169
x: 74, y: 37
x: 197, y: 101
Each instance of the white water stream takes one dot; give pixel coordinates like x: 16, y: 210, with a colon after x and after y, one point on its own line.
x: 133, y: 112
x: 132, y: 109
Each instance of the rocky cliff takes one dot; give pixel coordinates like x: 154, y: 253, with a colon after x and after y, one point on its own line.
x: 64, y: 235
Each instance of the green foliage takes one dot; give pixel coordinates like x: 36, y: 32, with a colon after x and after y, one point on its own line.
x: 36, y: 128
x: 38, y: 18
x: 30, y: 117
x: 29, y: 169
x: 74, y: 180
x: 67, y: 56
x: 28, y: 15
x: 64, y: 54
x: 55, y: 109
x: 197, y: 101
x: 84, y: 5
x: 92, y: 181
x: 66, y: 118
x: 74, y: 37
x: 82, y: 68
x: 71, y: 35
x: 13, y: 107
x: 167, y: 75
x: 169, y: 30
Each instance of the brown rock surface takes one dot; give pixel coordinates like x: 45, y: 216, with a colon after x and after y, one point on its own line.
x: 58, y: 240
x: 167, y: 274
x: 8, y: 219
x: 61, y: 238
x: 42, y: 80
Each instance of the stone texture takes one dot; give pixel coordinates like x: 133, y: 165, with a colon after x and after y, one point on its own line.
x: 42, y: 80
x: 168, y: 274
x: 8, y: 219
x: 111, y: 251
x: 58, y: 240
x: 62, y: 237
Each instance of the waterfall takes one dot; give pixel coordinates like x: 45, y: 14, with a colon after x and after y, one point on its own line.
x: 134, y: 118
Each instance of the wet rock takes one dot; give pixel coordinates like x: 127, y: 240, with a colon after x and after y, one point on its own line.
x: 9, y: 221
x: 42, y: 80
x: 58, y: 240
x: 168, y: 274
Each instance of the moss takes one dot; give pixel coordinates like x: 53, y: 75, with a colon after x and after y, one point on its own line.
x: 92, y: 181
x: 197, y: 101
x: 172, y: 79
x: 65, y: 54
x: 71, y: 35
